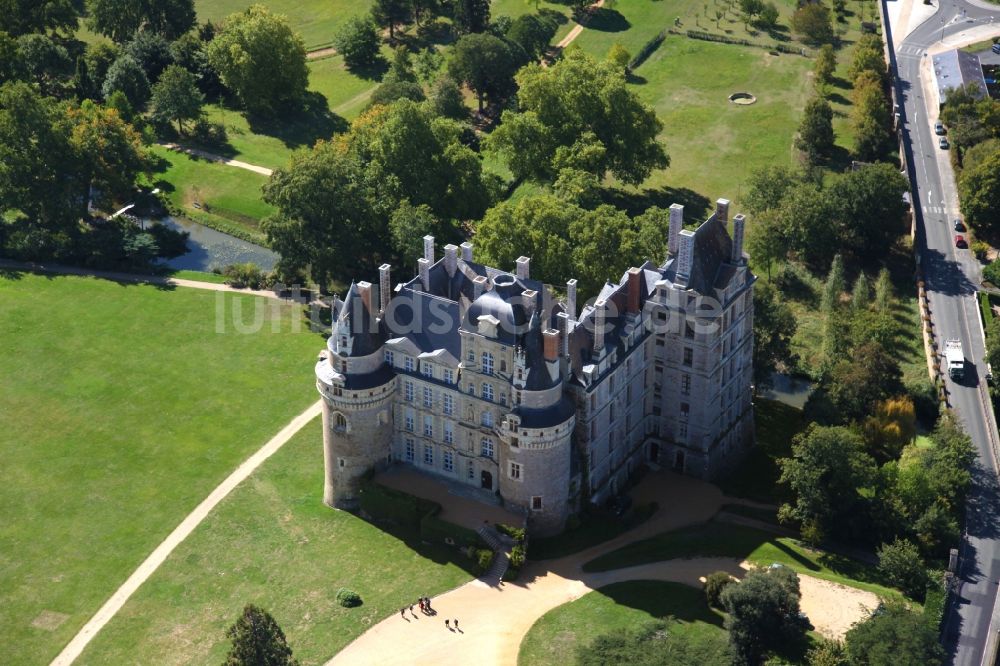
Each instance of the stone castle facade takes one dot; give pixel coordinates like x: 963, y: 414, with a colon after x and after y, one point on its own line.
x: 478, y: 376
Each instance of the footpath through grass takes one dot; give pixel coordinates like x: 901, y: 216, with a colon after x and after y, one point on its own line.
x: 122, y: 408
x: 715, y: 539
x: 273, y: 542
x: 553, y: 639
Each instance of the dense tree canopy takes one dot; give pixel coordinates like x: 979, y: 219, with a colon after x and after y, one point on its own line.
x: 121, y: 19
x: 127, y: 77
x: 358, y: 42
x: 176, y: 97
x: 21, y: 17
x: 773, y: 328
x: 894, y: 635
x: 261, y: 61
x: 486, y: 64
x: 579, y: 113
x: 815, y: 138
x: 763, y: 613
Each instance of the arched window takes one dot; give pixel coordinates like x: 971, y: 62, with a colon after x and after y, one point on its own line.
x: 340, y: 421
x: 487, y: 363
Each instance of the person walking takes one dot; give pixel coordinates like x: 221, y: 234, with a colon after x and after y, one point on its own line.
x: 402, y: 613
x: 446, y: 625
x: 456, y: 623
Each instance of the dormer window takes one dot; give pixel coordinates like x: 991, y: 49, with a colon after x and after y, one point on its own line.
x: 388, y: 357
x: 427, y: 369
x: 408, y: 363
x: 343, y: 342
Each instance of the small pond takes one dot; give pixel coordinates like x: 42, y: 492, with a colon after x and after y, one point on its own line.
x: 208, y: 248
x: 793, y: 391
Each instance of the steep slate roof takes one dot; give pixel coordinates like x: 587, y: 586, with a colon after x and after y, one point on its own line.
x: 353, y: 319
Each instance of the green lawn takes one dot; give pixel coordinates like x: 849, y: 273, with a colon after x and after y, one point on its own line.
x: 274, y: 543
x: 556, y: 635
x: 715, y: 539
x: 316, y: 20
x: 199, y: 276
x: 226, y: 196
x: 122, y: 408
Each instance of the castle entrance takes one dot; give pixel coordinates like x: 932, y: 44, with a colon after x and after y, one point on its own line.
x: 486, y: 480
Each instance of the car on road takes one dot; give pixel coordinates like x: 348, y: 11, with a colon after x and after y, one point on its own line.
x: 943, y: 143
x: 939, y: 128
x: 959, y: 240
x: 959, y: 226
x: 996, y: 47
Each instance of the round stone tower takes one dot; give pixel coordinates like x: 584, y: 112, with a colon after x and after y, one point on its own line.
x: 357, y: 388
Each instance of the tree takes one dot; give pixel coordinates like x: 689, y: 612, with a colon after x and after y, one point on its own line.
x: 749, y: 9
x: 884, y: 297
x: 858, y: 383
x: 358, y: 41
x: 45, y: 62
x: 768, y: 18
x: 261, y: 60
x: 900, y: 563
x: 99, y: 58
x: 773, y: 328
x: 110, y: 151
x: 23, y: 17
x: 826, y: 64
x: 812, y: 22
x: 869, y: 209
x: 472, y: 15
x: 390, y: 91
x: 152, y: 51
x: 805, y: 215
x: 389, y: 13
x: 815, y: 137
x: 446, y: 99
x: 257, y: 640
x: 619, y: 56
x: 894, y: 635
x: 577, y: 105
x: 121, y: 19
x: 715, y: 585
x: 486, y: 64
x: 827, y: 473
x: 767, y: 186
x: 401, y: 67
x: 176, y: 97
x: 126, y: 76
x: 868, y: 57
x: 827, y: 653
x: 408, y: 225
x: 763, y: 613
x: 979, y: 190
x: 891, y: 428
x: 834, y: 286
x: 861, y: 293
x: 532, y: 32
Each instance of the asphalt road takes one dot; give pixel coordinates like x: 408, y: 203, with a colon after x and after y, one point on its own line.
x: 951, y: 279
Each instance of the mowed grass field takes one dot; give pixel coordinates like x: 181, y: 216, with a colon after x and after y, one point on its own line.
x: 553, y: 639
x: 274, y: 543
x: 122, y: 407
x: 316, y: 20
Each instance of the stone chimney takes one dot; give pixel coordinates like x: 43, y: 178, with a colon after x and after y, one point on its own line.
x: 523, y: 265
x: 528, y: 297
x: 722, y: 210
x: 429, y: 248
x: 383, y: 287
x: 676, y: 224
x: 550, y: 339
x: 599, y: 308
x: 365, y: 290
x: 466, y: 251
x: 634, y: 282
x: 478, y: 286
x: 450, y: 259
x: 739, y: 224
x: 685, y: 258
x: 564, y: 326
x: 571, y: 299
x: 424, y: 265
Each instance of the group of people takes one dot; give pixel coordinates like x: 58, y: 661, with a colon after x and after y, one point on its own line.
x: 425, y: 607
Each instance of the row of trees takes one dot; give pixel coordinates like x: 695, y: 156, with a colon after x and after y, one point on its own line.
x: 870, y: 118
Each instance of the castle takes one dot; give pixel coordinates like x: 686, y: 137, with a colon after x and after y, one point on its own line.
x: 475, y: 374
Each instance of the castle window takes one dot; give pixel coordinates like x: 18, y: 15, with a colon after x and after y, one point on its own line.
x: 688, y: 356
x: 428, y: 454
x: 685, y: 384
x: 682, y: 431
x: 688, y: 331
x: 486, y: 447
x: 487, y: 419
x: 428, y: 426
x: 513, y: 441
x: 408, y: 391
x: 503, y: 365
x: 343, y: 366
x: 428, y: 396
x: 611, y: 413
x: 388, y: 357
x: 472, y: 356
x: 472, y: 389
x: 338, y: 391
x: 427, y: 369
x: 536, y: 503
x: 449, y: 461
x: 449, y: 376
x: 408, y: 363
x: 409, y: 420
x: 340, y: 422
x: 470, y: 470
x: 503, y: 398
x: 343, y: 342
x: 449, y: 433
x: 487, y: 392
x: 515, y: 471
x: 410, y: 448
x: 487, y: 363
x: 685, y: 410
x: 448, y: 401
x: 341, y: 462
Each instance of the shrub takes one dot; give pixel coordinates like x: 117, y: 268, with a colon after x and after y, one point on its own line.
x: 348, y: 598
x: 358, y: 41
x: 484, y: 558
x: 902, y: 566
x: 517, y: 556
x: 515, y: 533
x: 715, y: 583
x: 246, y: 275
x: 991, y: 273
x: 980, y: 249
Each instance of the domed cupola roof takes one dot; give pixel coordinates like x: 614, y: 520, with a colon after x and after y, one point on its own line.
x: 504, y: 303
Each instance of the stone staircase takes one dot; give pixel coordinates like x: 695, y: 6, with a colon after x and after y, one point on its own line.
x: 498, y: 543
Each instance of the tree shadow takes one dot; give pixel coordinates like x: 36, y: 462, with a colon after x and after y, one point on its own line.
x: 837, y: 98
x: 371, y: 72
x: 682, y: 603
x: 696, y: 206
x: 304, y: 127
x: 604, y: 19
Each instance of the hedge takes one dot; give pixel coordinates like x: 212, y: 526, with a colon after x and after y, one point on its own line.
x: 984, y: 305
x: 647, y: 50
x: 935, y: 601
x: 709, y: 37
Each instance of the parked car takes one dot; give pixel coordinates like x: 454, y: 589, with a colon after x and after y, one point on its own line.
x: 959, y: 226
x: 939, y: 127
x: 995, y: 48
x: 943, y: 143
x: 960, y: 240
